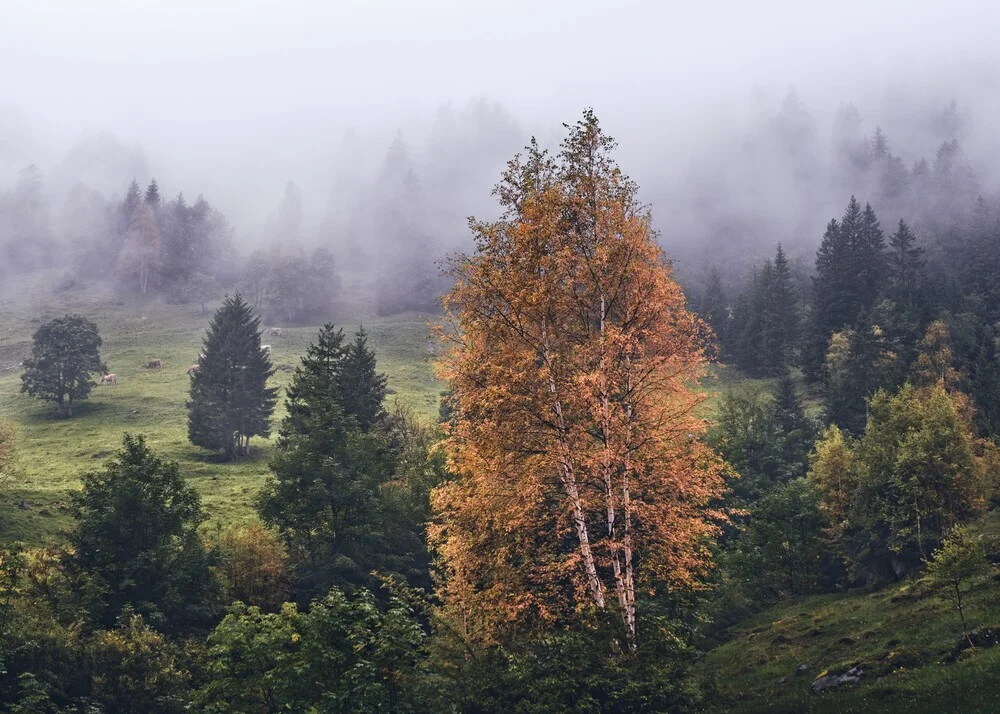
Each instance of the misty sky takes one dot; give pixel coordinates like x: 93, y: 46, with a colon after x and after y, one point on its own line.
x: 226, y: 87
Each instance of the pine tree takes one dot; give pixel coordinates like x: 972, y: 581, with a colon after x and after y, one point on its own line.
x: 714, y: 309
x: 230, y: 400
x: 905, y: 265
x: 832, y: 302
x: 317, y: 381
x: 869, y: 260
x: 850, y: 270
x: 780, y: 321
x: 795, y: 432
x: 325, y: 496
x: 153, y: 194
x: 136, y: 537
x: 178, y: 254
x: 362, y: 388
x: 126, y: 209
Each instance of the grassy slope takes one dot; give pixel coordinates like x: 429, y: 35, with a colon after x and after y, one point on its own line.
x: 53, y: 452
x: 898, y: 636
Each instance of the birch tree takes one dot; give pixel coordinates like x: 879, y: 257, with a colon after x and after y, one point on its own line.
x: 580, y: 475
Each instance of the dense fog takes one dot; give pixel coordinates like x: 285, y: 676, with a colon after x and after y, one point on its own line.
x: 371, y: 131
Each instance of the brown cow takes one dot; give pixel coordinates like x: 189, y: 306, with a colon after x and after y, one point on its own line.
x: 154, y: 364
x: 109, y: 379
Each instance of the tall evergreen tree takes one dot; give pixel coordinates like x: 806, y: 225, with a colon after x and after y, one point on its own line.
x: 850, y: 270
x: 795, y: 432
x: 714, y: 309
x: 869, y: 260
x: 317, y: 381
x: 832, y: 302
x: 905, y: 264
x: 126, y: 209
x: 779, y: 327
x: 325, y: 498
x: 178, y: 254
x: 362, y: 388
x: 153, y: 194
x: 230, y: 400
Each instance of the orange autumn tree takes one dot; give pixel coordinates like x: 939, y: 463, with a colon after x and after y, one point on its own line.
x: 580, y: 478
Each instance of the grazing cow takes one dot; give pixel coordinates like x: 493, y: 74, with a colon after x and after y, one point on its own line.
x: 194, y: 369
x: 276, y: 331
x: 265, y: 348
x: 109, y: 379
x: 154, y: 364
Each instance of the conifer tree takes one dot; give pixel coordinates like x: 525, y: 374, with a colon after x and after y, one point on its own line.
x: 795, y: 433
x: 325, y: 497
x: 153, y: 194
x: 362, y: 389
x: 178, y: 254
x: 126, y: 209
x: 714, y: 309
x: 316, y: 382
x: 780, y: 319
x: 850, y: 270
x: 831, y: 301
x: 230, y: 400
x: 905, y: 264
x: 869, y: 260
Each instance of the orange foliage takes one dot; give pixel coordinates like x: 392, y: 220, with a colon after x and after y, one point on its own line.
x: 580, y: 477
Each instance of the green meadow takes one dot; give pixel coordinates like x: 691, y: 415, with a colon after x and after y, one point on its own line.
x: 53, y: 452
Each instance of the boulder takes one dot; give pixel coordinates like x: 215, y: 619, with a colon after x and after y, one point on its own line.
x: 830, y: 681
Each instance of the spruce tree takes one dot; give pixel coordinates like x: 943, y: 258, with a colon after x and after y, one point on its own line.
x: 795, y: 432
x: 230, y: 400
x: 832, y: 304
x: 905, y: 265
x: 325, y: 498
x: 126, y: 209
x: 714, y: 309
x: 362, y: 388
x: 869, y: 260
x: 153, y: 194
x: 316, y: 382
x: 779, y: 326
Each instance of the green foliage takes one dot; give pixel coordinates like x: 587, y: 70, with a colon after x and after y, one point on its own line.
x: 956, y: 566
x: 345, y: 654
x: 857, y: 362
x: 714, y: 309
x: 344, y: 501
x: 795, y: 432
x: 850, y: 272
x: 64, y: 355
x: 782, y: 553
x: 361, y: 388
x: 917, y: 475
x: 765, y: 438
x: 767, y: 320
x: 582, y: 669
x: 230, y: 400
x: 136, y: 669
x: 253, y: 566
x: 136, y: 539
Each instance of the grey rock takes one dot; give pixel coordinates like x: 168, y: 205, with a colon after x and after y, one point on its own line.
x: 851, y: 676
